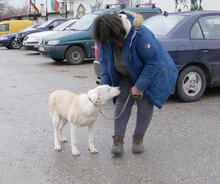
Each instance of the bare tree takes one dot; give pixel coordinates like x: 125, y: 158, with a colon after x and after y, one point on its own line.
x: 7, y: 11
x: 2, y: 8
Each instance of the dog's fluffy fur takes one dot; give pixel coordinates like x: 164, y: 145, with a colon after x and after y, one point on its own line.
x: 80, y: 110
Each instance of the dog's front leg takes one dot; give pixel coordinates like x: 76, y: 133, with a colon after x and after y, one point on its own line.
x: 92, y: 148
x: 56, y: 121
x: 73, y: 140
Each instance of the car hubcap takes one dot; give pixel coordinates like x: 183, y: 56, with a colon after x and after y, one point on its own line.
x: 76, y: 56
x: 15, y: 44
x: 192, y: 84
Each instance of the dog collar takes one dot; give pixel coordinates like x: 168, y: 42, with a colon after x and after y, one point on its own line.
x: 96, y: 103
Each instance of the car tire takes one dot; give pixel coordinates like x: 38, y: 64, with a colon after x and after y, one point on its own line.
x: 14, y: 44
x: 75, y: 55
x: 191, y: 84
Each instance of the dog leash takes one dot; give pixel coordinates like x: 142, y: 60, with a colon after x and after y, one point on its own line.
x: 139, y: 97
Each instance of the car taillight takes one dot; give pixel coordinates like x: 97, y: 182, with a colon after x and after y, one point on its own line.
x: 97, y: 53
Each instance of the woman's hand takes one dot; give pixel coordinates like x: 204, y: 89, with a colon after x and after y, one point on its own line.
x: 136, y: 92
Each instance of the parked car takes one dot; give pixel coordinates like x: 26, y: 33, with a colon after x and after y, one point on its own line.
x: 14, y: 26
x: 46, y: 26
x: 192, y: 39
x: 32, y: 40
x: 77, y: 44
x: 9, y: 42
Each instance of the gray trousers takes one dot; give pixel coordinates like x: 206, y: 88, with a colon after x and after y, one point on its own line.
x: 144, y: 110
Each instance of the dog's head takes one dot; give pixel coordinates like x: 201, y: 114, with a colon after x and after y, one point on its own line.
x: 101, y: 94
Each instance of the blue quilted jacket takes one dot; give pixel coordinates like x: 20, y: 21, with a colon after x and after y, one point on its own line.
x: 150, y: 66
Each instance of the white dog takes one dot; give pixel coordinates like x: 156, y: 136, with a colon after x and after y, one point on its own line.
x: 81, y: 110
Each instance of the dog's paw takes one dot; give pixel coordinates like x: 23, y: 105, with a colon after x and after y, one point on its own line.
x: 93, y: 150
x: 76, y: 153
x: 57, y: 148
x: 64, y: 140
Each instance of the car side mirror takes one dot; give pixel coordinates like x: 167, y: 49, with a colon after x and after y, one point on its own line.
x: 51, y: 27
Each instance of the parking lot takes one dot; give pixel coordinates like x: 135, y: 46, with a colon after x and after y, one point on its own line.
x: 181, y: 144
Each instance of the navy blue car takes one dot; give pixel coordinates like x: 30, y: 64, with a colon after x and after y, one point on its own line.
x: 9, y: 41
x: 193, y: 41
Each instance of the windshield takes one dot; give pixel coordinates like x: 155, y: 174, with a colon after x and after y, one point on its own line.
x: 161, y: 25
x: 45, y: 24
x: 62, y: 26
x: 84, y: 22
x: 30, y: 27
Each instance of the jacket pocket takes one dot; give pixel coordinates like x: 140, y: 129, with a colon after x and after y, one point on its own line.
x: 160, y: 83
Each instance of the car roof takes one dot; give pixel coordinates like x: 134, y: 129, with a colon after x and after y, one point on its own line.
x: 134, y: 9
x: 191, y: 13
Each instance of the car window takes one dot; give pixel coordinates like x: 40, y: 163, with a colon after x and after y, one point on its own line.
x: 45, y: 24
x: 4, y: 27
x: 57, y: 23
x: 84, y: 23
x: 161, y: 25
x: 61, y: 26
x: 147, y: 15
x: 30, y: 27
x: 210, y: 26
x: 68, y: 27
x: 196, y: 32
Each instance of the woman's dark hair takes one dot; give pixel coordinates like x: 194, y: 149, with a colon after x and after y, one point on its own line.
x: 107, y: 28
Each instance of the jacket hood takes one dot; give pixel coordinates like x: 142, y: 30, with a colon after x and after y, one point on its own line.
x: 135, y: 19
x: 131, y: 19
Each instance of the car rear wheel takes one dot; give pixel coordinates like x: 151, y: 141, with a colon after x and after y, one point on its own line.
x: 75, y: 55
x: 14, y: 44
x: 191, y: 84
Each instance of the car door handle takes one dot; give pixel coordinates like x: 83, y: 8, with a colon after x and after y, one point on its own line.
x: 205, y: 50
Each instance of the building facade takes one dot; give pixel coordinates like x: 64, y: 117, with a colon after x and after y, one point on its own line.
x: 77, y: 8
x: 80, y: 6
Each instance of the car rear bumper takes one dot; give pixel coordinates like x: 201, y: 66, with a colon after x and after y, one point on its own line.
x: 97, y: 68
x: 57, y: 52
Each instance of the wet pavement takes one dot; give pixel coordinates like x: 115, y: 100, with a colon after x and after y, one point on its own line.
x: 181, y: 145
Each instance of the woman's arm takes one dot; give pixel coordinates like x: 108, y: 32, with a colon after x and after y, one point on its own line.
x: 147, y: 50
x: 105, y: 78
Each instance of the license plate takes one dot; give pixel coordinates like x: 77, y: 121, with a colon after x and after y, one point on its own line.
x: 41, y: 49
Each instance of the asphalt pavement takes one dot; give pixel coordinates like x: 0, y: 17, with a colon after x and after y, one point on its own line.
x: 181, y: 144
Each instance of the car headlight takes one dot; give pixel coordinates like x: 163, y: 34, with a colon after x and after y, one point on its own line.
x: 3, y: 38
x: 53, y: 42
x: 32, y: 39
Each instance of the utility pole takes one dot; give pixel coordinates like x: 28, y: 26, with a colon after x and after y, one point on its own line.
x: 66, y: 7
x: 30, y: 7
x: 46, y: 12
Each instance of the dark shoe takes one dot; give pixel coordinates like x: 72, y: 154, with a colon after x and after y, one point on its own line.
x: 117, y: 147
x: 137, y: 144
